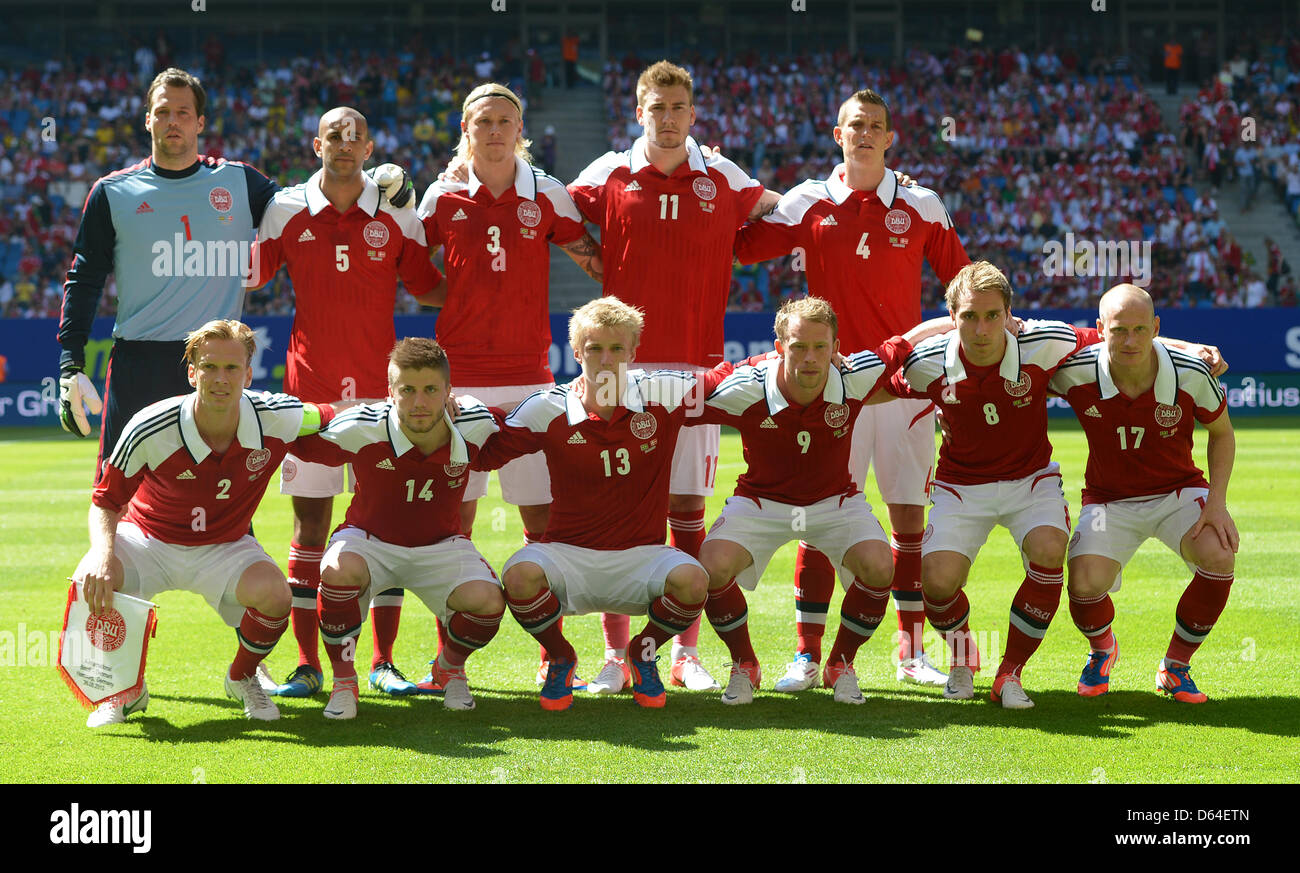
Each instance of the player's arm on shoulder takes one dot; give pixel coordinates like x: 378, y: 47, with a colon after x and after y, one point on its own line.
x: 585, y: 252
x: 765, y: 205
x: 261, y: 191
x: 930, y: 327
x: 1220, y: 453
x: 1209, y: 355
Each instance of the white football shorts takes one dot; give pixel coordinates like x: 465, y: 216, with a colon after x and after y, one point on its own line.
x: 833, y: 526
x: 525, y: 481
x: 150, y: 565
x: 962, y: 516
x: 625, y: 581
x: 897, y: 439
x: 1117, y: 529
x: 695, y: 459
x: 299, y: 478
x: 431, y: 572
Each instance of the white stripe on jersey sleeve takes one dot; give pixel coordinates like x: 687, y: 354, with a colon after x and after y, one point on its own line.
x: 280, y: 415
x: 925, y: 364
x: 1046, y: 343
x: 354, y: 429
x: 668, y: 388
x: 597, y: 172
x: 151, y: 436
x: 408, y: 221
x: 284, y: 205
x: 553, y: 190
x: 737, y: 179
x: 927, y: 204
x: 1078, y: 369
x: 1194, y: 378
x: 474, y: 420
x: 796, y: 202
x: 861, y: 372
x: 745, y: 386
x: 430, y: 202
x: 539, y: 409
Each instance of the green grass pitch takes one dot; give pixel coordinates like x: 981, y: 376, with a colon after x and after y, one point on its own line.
x: 191, y: 732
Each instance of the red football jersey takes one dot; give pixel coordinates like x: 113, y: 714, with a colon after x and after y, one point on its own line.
x: 1140, y: 447
x: 800, y: 454
x: 667, y: 244
x: 344, y: 269
x: 177, y: 489
x: 609, y: 479
x: 402, y: 496
x: 995, y: 417
x: 496, y: 324
x: 862, y: 250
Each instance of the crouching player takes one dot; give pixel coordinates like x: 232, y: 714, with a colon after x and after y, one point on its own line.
x: 402, y: 529
x: 1138, y: 403
x: 608, y: 438
x: 173, y: 506
x: 795, y: 414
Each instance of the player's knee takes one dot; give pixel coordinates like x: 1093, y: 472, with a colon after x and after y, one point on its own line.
x: 872, y: 563
x: 478, y: 596
x: 1217, y: 560
x: 523, y: 580
x: 685, y: 502
x: 1046, y: 546
x: 688, y: 583
x: 266, y: 590
x: 345, y: 571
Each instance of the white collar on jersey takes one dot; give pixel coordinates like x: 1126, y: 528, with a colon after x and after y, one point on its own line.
x: 525, y: 181
x: 248, y: 432
x: 639, y: 158
x: 887, y: 190
x: 316, y: 199
x: 576, y: 413
x: 1009, y: 369
x: 1166, y: 377
x: 832, y: 393
x: 401, y: 445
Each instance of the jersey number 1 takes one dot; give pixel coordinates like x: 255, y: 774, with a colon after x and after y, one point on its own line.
x: 663, y: 205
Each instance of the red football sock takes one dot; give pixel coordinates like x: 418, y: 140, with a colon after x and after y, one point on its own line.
x: 1032, y: 609
x: 540, y: 616
x: 467, y: 632
x: 1198, y: 609
x: 1093, y: 617
x: 257, y: 635
x: 304, y: 579
x: 729, y: 614
x: 686, y: 532
x: 385, y: 615
x: 814, y: 583
x: 906, y: 588
x: 340, y: 621
x: 667, y: 616
x: 860, y: 614
x: 617, y: 629
x: 952, y: 619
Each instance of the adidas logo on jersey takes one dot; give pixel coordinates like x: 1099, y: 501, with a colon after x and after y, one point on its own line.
x: 385, y: 464
x: 1092, y: 412
x: 187, y: 475
x: 306, y: 236
x: 143, y: 208
x: 577, y: 440
x: 460, y: 215
x: 633, y: 187
x: 829, y: 221
x: 768, y: 423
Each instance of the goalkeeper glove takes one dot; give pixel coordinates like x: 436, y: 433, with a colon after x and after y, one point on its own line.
x: 396, y: 185
x: 76, y: 390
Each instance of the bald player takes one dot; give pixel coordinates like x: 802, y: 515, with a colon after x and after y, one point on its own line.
x: 345, y: 248
x: 1138, y: 401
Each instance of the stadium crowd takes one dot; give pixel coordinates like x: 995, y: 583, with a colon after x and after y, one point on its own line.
x: 1023, y: 148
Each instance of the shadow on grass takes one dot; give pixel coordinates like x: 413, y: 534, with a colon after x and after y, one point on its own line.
x: 423, y: 726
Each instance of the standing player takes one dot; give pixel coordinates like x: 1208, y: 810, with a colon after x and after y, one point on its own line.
x: 995, y: 467
x: 668, y: 218
x: 175, y: 231
x: 795, y: 414
x: 345, y: 249
x: 175, y: 499
x: 1138, y: 403
x: 608, y: 439
x: 862, y: 238
x: 496, y: 228
x: 403, y: 526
